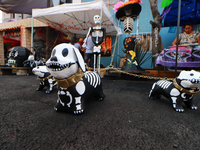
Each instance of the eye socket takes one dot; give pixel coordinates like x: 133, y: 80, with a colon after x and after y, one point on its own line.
x: 191, y: 74
x: 65, y: 52
x: 54, y: 52
x: 16, y: 54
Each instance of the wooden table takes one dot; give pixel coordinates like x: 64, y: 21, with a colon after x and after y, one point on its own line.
x: 14, y: 70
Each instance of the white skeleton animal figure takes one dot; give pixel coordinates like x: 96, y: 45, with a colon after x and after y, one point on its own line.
x: 75, y: 85
x: 182, y: 89
x: 45, y: 78
x: 98, y: 34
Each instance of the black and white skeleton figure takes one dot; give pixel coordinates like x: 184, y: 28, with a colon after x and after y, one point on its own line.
x: 182, y: 89
x: 45, y: 78
x: 17, y: 55
x: 75, y: 85
x: 128, y: 13
x: 98, y: 34
x: 31, y: 63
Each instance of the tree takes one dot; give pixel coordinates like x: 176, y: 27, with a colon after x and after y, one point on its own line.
x: 157, y: 45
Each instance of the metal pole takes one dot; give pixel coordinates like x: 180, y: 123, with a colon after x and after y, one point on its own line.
x: 177, y: 35
x: 32, y: 34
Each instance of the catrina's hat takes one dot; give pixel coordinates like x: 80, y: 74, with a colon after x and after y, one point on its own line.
x: 129, y: 9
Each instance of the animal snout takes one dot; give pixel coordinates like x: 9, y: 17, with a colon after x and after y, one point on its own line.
x: 54, y: 58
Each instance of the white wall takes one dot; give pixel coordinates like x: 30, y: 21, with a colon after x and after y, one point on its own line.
x: 76, y: 1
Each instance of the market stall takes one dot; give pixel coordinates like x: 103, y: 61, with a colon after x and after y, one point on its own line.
x: 179, y: 13
x: 186, y: 57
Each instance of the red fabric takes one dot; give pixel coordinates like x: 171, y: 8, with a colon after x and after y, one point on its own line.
x: 10, y: 42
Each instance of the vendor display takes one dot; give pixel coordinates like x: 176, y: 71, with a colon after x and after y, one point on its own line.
x: 182, y: 89
x: 75, y: 86
x: 186, y: 56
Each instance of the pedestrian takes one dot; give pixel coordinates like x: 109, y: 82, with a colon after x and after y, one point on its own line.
x: 77, y: 45
x: 82, y: 51
x: 89, y: 46
x: 189, y: 36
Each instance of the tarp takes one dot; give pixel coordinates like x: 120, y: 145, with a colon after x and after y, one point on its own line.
x: 10, y: 42
x: 76, y: 18
x: 189, y: 13
x: 21, y: 6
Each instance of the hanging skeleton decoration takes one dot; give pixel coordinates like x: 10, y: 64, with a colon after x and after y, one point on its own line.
x: 98, y: 34
x: 67, y: 66
x: 45, y: 78
x: 182, y: 89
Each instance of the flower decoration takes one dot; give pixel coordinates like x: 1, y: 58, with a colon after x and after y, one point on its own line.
x: 132, y: 53
x: 116, y: 6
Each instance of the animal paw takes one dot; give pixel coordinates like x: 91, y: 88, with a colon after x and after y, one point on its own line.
x: 100, y: 99
x: 151, y: 98
x: 78, y: 111
x: 180, y: 110
x: 194, y: 107
x: 47, y: 91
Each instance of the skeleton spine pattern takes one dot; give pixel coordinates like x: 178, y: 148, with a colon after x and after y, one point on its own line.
x: 161, y: 83
x: 164, y: 84
x: 93, y: 78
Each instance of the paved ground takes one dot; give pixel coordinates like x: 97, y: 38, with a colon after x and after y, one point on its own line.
x: 125, y: 120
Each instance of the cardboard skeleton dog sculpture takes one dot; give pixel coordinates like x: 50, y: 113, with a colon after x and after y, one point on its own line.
x: 182, y: 89
x: 75, y: 85
x: 45, y: 78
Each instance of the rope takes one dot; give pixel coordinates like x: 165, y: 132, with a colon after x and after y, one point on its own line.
x: 133, y: 74
x: 116, y: 40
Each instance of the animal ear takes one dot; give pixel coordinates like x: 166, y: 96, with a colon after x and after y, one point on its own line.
x: 80, y: 59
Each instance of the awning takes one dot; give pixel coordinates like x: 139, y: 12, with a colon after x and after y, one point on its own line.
x: 21, y: 6
x: 190, y: 13
x: 76, y: 18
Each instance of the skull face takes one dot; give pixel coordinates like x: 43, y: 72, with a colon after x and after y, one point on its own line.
x: 97, y: 19
x: 40, y: 71
x: 189, y: 79
x: 17, y: 55
x: 64, y: 61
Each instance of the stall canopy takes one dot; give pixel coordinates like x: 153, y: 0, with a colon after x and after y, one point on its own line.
x: 21, y: 6
x: 10, y: 42
x: 76, y: 18
x: 189, y: 13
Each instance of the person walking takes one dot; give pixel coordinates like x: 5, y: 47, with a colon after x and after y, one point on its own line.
x: 82, y: 50
x: 89, y: 46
